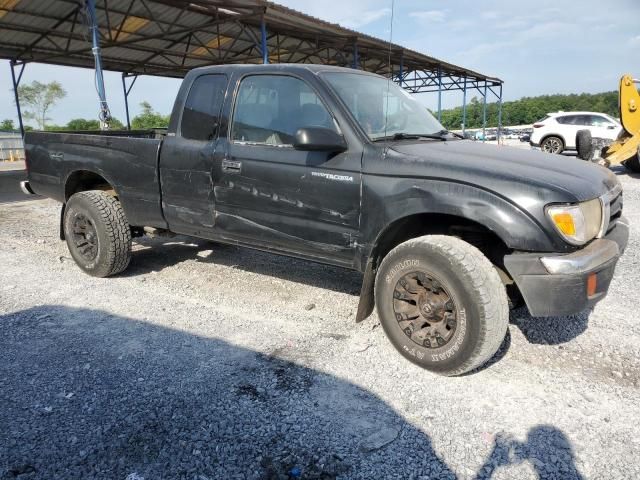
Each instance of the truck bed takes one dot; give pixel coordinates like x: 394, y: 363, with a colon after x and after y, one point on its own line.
x: 128, y: 160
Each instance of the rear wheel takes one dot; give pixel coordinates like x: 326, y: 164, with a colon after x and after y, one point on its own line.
x: 552, y: 145
x: 97, y: 233
x: 441, y: 303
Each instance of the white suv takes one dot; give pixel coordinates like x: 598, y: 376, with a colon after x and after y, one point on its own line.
x: 557, y: 131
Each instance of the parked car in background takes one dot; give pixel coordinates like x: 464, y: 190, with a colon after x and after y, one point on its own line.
x: 556, y: 132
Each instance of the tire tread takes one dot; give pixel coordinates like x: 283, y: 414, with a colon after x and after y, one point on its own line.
x: 487, y: 286
x: 117, y: 229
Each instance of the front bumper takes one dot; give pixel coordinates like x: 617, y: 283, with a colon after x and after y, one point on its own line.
x: 556, y: 284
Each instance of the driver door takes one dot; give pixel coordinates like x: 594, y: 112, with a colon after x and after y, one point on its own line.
x: 276, y: 197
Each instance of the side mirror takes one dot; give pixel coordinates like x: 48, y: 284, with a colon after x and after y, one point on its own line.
x: 319, y: 140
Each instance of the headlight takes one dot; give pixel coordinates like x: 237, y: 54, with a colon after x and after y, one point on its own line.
x: 577, y: 224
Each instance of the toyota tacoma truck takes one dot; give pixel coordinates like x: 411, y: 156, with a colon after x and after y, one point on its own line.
x: 346, y: 168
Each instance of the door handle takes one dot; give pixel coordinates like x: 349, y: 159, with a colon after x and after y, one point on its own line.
x: 231, y: 166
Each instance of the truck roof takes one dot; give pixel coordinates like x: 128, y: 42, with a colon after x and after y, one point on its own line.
x: 291, y: 67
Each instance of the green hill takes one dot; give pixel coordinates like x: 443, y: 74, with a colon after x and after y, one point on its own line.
x: 527, y: 110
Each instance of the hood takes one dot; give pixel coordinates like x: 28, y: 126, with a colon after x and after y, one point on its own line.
x: 509, y: 171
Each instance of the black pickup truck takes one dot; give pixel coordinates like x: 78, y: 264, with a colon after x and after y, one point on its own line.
x: 344, y: 167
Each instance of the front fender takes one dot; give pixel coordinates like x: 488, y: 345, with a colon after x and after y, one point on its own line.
x: 391, y: 200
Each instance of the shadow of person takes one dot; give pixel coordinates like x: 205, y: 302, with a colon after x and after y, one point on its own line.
x: 549, y: 330
x: 88, y: 394
x: 155, y: 254
x: 546, y: 448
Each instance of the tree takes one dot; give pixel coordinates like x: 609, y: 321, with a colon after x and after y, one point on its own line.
x: 528, y: 110
x: 7, y: 125
x: 39, y: 98
x: 149, y: 118
x: 116, y: 124
x: 82, y: 124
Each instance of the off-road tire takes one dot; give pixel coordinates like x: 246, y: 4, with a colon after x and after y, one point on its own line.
x: 112, y: 232
x: 584, y: 145
x: 474, y: 285
x: 552, y: 140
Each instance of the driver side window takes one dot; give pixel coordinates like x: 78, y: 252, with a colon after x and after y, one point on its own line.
x: 271, y: 108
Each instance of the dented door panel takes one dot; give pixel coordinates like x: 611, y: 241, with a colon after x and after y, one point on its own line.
x: 307, y: 202
x: 187, y: 185
x: 188, y: 155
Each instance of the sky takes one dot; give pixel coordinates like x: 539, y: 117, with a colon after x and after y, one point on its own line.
x: 541, y: 47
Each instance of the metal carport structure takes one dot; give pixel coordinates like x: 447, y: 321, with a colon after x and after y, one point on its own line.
x: 170, y: 37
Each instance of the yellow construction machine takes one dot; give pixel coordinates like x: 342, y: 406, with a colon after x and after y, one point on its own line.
x: 625, y: 149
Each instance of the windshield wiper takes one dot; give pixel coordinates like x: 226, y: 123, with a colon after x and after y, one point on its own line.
x: 441, y: 135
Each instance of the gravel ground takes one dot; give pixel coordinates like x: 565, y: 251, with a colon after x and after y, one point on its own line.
x: 205, y: 361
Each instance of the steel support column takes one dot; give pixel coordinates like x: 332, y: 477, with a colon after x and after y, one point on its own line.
x: 126, y: 90
x: 263, y: 41
x: 484, y: 112
x: 16, y: 84
x: 401, y: 72
x: 356, y: 56
x: 499, y: 113
x: 464, y: 106
x: 105, y: 115
x: 439, y: 94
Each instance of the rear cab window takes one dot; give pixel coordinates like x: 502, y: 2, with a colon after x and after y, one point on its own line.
x: 200, y: 117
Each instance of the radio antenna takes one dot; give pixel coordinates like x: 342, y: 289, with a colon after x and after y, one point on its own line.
x: 386, y: 107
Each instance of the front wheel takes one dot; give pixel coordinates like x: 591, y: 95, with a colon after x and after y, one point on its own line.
x: 97, y: 233
x: 442, y: 304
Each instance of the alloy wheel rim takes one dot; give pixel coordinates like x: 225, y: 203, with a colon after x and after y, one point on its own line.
x: 425, y: 310
x: 85, y: 237
x: 552, y: 146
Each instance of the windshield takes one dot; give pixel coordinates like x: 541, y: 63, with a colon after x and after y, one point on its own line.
x: 370, y: 98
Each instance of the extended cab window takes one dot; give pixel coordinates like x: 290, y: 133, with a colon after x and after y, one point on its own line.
x: 271, y: 108
x: 202, y: 108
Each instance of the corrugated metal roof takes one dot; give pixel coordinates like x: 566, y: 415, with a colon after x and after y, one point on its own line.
x: 170, y: 37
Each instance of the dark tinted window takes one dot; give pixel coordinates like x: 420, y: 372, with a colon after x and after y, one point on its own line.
x: 202, y: 108
x: 566, y: 119
x: 271, y: 108
x: 574, y: 120
x: 582, y: 120
x: 599, y: 121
